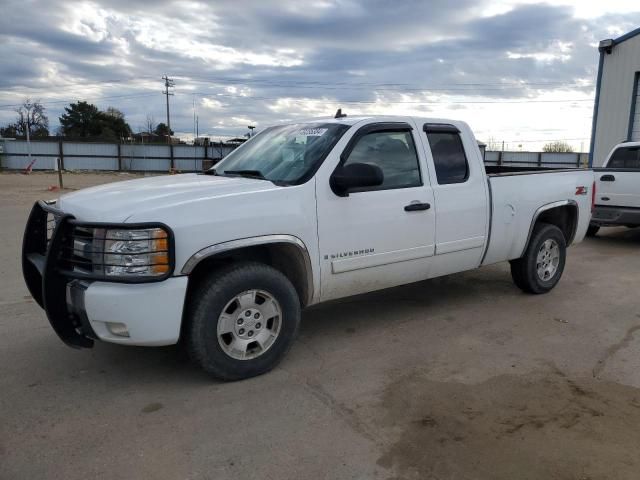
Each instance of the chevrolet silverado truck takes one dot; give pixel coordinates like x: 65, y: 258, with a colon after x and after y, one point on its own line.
x: 618, y: 186
x: 224, y: 261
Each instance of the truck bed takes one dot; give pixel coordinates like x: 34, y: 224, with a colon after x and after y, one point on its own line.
x: 516, y: 194
x: 503, y: 170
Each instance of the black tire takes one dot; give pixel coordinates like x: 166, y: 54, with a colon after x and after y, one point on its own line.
x: 212, y: 296
x: 524, y: 270
x: 592, y: 231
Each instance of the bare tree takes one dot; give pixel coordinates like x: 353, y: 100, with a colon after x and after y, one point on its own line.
x: 557, y: 147
x: 31, y: 118
x: 493, y: 145
x: 150, y: 124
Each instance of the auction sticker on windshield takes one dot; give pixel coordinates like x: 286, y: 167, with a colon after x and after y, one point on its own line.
x: 313, y: 132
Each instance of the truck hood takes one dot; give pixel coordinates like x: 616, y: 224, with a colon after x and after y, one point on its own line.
x: 116, y: 202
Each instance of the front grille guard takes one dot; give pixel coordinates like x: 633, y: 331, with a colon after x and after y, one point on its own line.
x: 49, y: 266
x: 42, y: 265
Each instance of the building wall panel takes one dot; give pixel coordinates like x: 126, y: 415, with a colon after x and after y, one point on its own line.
x: 635, y: 129
x: 90, y: 156
x: 616, y: 94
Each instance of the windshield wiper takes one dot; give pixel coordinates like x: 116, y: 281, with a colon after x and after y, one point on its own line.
x: 246, y: 173
x: 257, y: 174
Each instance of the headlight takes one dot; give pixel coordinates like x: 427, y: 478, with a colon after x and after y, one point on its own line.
x: 134, y: 253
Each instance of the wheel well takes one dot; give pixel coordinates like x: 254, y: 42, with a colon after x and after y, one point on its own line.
x: 564, y: 217
x: 289, y: 259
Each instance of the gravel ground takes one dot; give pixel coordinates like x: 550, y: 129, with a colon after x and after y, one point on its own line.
x: 462, y: 377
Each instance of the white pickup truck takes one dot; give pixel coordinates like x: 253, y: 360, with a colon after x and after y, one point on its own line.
x: 618, y: 189
x: 302, y: 213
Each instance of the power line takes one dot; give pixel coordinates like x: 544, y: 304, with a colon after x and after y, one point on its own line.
x: 469, y: 87
x: 332, y: 85
x: 403, y: 87
x: 323, y: 84
x: 294, y: 82
x: 54, y: 102
x: 88, y: 83
x: 306, y: 99
x: 373, y: 102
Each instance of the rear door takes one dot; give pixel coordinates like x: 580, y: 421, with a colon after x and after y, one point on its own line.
x: 619, y: 182
x: 460, y: 191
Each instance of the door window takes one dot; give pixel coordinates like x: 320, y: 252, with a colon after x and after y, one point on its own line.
x: 449, y: 158
x: 625, y: 157
x: 395, y: 154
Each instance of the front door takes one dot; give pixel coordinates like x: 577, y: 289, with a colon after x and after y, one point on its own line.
x: 381, y: 236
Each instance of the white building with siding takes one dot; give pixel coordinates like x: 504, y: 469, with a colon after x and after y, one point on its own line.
x: 616, y: 113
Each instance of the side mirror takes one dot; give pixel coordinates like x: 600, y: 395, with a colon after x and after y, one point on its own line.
x: 355, y: 175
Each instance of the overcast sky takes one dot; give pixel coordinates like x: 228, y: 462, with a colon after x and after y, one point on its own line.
x: 519, y: 71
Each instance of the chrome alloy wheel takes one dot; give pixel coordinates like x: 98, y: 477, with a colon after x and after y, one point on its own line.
x: 548, y: 259
x: 249, y: 324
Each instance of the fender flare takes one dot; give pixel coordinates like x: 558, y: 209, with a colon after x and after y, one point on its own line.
x: 223, y: 247
x: 549, y: 206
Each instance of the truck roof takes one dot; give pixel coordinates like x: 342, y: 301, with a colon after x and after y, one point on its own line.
x: 359, y: 118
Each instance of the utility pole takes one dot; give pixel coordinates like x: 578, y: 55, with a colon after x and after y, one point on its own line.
x: 27, y: 126
x: 168, y: 83
x: 28, y: 131
x: 195, y: 132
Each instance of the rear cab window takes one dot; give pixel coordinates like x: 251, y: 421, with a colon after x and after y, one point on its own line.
x: 449, y: 158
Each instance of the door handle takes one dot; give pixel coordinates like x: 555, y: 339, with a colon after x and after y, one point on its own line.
x: 416, y: 206
x: 608, y: 178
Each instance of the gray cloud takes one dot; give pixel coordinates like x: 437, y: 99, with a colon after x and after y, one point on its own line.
x: 243, y: 58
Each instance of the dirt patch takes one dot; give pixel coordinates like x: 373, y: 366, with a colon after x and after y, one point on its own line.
x: 17, y: 189
x: 152, y: 407
x: 542, y: 426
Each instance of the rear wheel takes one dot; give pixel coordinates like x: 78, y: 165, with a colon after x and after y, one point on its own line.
x: 592, y: 231
x: 542, y: 264
x: 242, y: 321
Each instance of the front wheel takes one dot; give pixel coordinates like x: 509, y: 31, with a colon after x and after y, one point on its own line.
x: 542, y: 264
x: 592, y: 231
x: 242, y: 321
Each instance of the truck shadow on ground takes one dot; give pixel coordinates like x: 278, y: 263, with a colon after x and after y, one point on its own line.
x: 394, y: 306
x: 341, y: 317
x: 126, y: 363
x: 617, y: 236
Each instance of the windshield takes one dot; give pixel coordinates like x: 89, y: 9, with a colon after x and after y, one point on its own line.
x: 286, y: 154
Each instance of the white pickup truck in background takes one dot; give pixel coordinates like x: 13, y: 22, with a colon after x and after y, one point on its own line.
x: 618, y: 189
x: 302, y: 213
